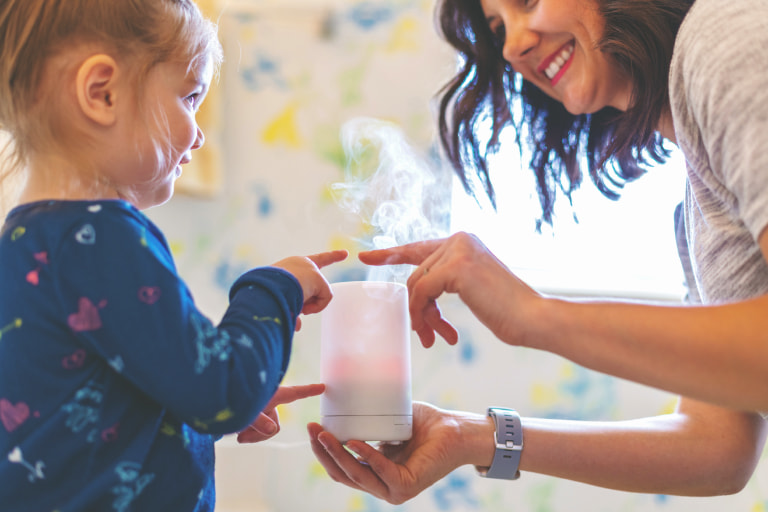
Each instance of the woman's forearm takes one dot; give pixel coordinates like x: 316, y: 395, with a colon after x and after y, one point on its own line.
x: 702, y: 452
x: 714, y: 353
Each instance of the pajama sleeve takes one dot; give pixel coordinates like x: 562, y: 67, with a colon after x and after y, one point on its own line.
x: 122, y: 299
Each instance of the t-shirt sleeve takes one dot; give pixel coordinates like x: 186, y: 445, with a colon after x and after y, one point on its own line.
x: 121, y: 296
x: 724, y: 86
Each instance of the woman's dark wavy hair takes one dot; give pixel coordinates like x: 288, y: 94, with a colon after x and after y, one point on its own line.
x: 639, y: 36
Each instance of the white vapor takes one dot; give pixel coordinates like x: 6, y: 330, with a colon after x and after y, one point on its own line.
x: 390, y: 187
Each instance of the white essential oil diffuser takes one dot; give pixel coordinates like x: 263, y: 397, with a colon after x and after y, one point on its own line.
x: 366, y: 362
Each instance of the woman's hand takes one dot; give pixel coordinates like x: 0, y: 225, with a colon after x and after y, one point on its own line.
x: 441, y: 441
x: 459, y: 264
x: 267, y: 423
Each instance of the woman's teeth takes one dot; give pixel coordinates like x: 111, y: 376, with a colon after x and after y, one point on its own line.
x: 556, y: 64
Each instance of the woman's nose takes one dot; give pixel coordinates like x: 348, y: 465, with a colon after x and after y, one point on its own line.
x: 519, y: 40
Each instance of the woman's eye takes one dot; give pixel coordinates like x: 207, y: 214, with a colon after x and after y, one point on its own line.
x: 499, y: 36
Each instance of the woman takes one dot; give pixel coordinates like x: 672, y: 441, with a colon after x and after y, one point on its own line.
x: 609, y: 80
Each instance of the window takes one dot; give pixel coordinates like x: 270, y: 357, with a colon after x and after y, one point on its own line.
x: 623, y: 248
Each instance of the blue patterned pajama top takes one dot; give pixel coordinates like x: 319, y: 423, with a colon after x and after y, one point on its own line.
x: 113, y: 385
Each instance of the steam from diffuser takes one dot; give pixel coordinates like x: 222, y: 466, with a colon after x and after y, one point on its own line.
x: 391, y: 188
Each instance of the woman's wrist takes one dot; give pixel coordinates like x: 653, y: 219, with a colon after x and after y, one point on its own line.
x: 544, y: 324
x: 476, y: 437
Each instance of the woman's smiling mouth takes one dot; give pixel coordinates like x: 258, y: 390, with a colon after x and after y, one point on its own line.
x: 555, y: 65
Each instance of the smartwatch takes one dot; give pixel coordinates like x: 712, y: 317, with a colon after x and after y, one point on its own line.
x: 509, y: 445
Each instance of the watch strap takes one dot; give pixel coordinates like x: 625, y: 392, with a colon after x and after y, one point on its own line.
x: 509, y: 444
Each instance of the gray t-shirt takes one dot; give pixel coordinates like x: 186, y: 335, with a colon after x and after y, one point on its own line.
x: 718, y: 85
x: 719, y: 98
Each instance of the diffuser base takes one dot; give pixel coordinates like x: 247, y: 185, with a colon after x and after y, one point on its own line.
x: 369, y: 428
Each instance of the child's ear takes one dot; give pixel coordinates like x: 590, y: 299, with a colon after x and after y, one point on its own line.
x: 96, y: 88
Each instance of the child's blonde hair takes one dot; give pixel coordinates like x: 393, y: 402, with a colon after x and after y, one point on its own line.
x: 143, y: 33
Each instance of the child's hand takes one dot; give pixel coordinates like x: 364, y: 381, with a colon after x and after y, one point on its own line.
x: 317, y: 291
x: 267, y: 423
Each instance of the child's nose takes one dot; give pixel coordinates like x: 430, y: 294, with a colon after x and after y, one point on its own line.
x: 199, y: 140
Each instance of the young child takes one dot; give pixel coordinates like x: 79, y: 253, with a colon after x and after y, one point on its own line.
x: 113, y: 385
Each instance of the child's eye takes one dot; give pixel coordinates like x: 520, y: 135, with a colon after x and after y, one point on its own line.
x: 193, y: 100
